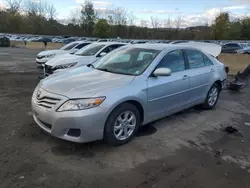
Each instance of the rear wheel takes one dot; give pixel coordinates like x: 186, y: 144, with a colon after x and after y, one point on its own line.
x: 122, y: 124
x: 212, y: 97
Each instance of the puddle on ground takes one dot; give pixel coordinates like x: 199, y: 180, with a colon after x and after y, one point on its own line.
x: 78, y: 150
x: 146, y: 130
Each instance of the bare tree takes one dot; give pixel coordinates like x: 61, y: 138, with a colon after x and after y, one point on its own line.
x: 75, y: 17
x: 177, y: 23
x: 31, y: 7
x: 42, y: 8
x: 51, y: 12
x: 118, y: 16
x: 14, y: 5
x: 155, y: 23
x: 144, y: 23
x: 131, y: 18
x: 167, y: 23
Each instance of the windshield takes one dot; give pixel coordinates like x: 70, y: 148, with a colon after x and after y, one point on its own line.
x: 69, y: 46
x: 90, y: 50
x: 129, y: 61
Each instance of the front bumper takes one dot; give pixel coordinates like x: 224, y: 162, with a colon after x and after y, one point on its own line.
x: 41, y: 62
x: 89, y: 123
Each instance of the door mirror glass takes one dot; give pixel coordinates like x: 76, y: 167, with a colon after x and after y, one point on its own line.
x: 162, y: 72
x: 102, y: 54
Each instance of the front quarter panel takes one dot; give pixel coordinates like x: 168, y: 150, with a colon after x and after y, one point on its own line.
x: 135, y: 91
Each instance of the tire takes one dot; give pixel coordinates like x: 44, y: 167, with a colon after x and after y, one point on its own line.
x: 113, y: 121
x: 211, y: 103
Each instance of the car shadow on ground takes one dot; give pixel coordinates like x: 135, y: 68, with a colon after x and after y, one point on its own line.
x: 60, y: 147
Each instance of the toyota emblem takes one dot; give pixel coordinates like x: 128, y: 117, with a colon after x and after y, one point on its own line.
x: 38, y: 94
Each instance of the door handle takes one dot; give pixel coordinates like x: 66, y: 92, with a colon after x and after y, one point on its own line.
x: 212, y: 70
x: 185, y: 77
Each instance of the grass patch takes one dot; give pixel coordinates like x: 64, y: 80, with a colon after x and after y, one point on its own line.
x: 235, y: 62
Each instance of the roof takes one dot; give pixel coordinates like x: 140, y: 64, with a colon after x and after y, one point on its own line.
x: 108, y: 43
x: 210, y: 48
x: 158, y: 46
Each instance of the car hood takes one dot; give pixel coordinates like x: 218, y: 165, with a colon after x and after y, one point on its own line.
x: 84, y: 82
x: 49, y: 52
x: 70, y: 58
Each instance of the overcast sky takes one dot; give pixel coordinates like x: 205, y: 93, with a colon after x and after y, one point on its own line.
x: 193, y: 12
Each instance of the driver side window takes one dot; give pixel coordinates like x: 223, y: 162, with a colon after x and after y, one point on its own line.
x: 174, y: 61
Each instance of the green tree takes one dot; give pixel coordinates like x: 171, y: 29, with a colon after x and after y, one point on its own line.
x: 220, y: 26
x: 101, y: 28
x: 245, y: 32
x: 88, y: 17
x: 235, y: 30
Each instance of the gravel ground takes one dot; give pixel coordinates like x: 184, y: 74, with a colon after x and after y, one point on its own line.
x: 188, y: 149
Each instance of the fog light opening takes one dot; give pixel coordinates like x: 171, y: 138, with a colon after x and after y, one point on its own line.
x: 74, y: 132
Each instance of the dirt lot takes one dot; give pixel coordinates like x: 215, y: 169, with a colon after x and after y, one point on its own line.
x: 189, y: 149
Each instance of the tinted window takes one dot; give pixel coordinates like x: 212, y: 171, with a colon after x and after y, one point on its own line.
x: 79, y: 46
x: 195, y: 59
x: 173, y: 60
x: 235, y: 45
x: 231, y: 45
x: 208, y: 62
x: 69, y: 46
x: 111, y: 48
x: 90, y: 50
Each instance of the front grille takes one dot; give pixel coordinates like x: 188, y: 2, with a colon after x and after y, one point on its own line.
x: 47, y: 102
x: 48, y: 69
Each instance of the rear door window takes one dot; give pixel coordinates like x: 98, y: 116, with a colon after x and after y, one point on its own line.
x: 208, y: 62
x: 79, y: 46
x: 195, y: 59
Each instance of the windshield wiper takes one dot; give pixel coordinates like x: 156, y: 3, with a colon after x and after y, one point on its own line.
x: 90, y: 65
x: 104, y: 69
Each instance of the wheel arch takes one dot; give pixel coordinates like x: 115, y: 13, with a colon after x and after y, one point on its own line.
x: 137, y: 103
x: 219, y: 83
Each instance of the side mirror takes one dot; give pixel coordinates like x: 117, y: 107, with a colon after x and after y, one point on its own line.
x: 102, y: 54
x: 162, y: 72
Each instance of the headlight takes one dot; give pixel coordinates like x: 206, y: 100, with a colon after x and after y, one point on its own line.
x: 65, y: 66
x: 51, y: 55
x: 81, y: 104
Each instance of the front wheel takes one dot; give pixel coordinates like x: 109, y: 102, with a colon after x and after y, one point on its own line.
x: 212, y: 97
x: 122, y: 124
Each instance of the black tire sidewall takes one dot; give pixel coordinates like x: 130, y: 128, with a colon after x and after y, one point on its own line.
x: 206, y: 105
x: 109, y: 136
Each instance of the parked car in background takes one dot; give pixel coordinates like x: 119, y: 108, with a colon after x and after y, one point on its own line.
x: 245, y: 50
x: 45, y: 56
x: 103, y: 40
x: 138, y: 41
x: 85, y: 56
x: 67, y: 40
x: 4, y: 41
x: 128, y: 88
x: 231, y: 48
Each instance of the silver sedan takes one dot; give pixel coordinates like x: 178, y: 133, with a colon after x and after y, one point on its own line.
x: 126, y: 89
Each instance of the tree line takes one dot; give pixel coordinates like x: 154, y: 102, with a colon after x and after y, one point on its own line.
x: 39, y: 17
